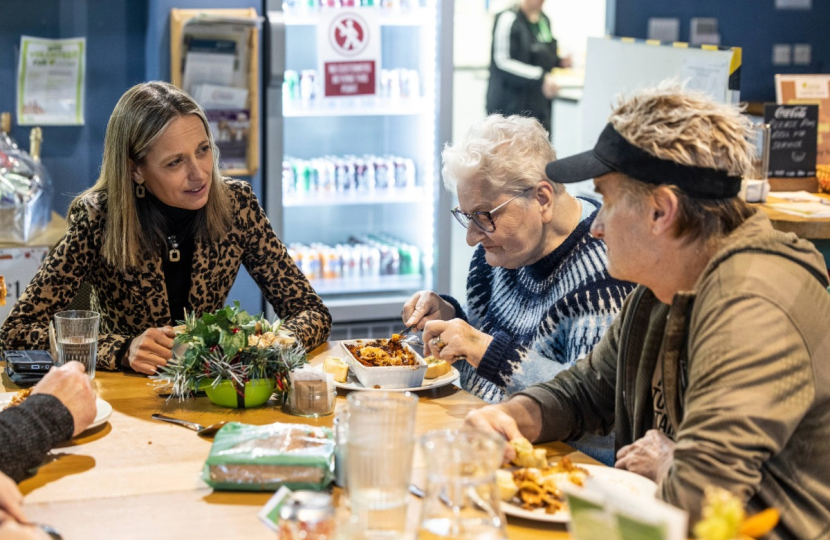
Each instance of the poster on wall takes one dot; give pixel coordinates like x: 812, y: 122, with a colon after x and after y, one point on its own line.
x: 348, y: 51
x: 792, y: 151
x: 50, y: 81
x: 809, y: 90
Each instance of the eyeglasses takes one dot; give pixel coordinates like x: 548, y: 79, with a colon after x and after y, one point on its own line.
x: 484, y: 220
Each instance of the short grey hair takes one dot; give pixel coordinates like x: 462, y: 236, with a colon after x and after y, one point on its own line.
x: 508, y: 153
x: 687, y: 127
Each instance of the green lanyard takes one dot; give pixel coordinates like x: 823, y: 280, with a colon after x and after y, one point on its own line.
x: 542, y: 31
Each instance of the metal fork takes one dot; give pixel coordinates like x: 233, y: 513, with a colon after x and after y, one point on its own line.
x: 410, y: 338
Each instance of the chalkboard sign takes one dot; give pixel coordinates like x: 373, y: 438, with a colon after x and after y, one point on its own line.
x: 793, y: 139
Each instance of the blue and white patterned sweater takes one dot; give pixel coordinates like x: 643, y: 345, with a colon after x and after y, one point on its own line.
x: 543, y: 317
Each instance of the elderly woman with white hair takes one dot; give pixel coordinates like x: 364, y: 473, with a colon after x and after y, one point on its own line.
x: 539, y: 296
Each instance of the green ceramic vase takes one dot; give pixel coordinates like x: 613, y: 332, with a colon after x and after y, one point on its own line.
x: 257, y: 392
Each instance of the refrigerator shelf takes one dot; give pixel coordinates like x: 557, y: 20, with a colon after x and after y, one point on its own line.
x: 303, y: 16
x: 354, y: 107
x: 367, y: 285
x: 415, y: 195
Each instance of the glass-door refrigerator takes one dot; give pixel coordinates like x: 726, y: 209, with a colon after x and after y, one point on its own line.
x: 353, y: 184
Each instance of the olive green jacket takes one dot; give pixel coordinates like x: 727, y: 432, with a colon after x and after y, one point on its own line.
x: 755, y: 415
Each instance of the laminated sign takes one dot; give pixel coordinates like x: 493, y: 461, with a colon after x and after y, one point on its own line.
x: 348, y: 45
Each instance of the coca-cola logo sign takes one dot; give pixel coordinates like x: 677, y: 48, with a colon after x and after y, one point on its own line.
x: 793, y: 140
x: 789, y: 111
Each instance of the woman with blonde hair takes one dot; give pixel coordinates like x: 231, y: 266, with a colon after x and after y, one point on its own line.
x: 161, y: 233
x: 538, y: 293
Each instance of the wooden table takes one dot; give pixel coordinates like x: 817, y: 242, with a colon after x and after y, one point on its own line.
x: 804, y: 227
x: 137, y: 478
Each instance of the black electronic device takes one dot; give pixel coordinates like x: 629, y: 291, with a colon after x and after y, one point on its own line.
x: 29, y: 362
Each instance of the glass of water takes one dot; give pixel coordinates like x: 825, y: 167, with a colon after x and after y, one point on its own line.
x: 76, y: 336
x: 379, y: 462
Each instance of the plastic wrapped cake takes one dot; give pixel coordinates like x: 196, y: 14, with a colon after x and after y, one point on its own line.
x: 264, y: 458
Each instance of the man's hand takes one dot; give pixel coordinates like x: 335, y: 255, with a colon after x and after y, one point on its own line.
x: 11, y: 499
x: 426, y: 306
x: 70, y: 384
x: 450, y: 339
x: 151, y: 350
x: 492, y: 419
x: 650, y: 456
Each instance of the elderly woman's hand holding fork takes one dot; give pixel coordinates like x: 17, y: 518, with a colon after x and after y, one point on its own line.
x: 444, y: 336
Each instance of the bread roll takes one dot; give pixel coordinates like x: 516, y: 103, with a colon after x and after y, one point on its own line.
x: 435, y: 367
x: 336, y: 367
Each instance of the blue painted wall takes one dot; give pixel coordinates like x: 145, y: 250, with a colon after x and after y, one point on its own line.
x: 127, y: 42
x: 115, y: 61
x: 751, y: 24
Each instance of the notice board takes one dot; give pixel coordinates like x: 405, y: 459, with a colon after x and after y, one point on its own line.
x: 622, y: 65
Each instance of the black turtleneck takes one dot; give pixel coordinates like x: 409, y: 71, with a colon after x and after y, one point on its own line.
x: 178, y: 228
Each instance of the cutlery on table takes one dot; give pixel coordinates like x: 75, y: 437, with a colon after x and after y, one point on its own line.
x: 202, y: 431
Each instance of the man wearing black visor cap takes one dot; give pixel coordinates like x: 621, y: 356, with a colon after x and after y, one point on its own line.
x: 717, y: 370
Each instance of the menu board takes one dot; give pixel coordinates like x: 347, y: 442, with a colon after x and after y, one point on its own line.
x: 793, y: 140
x: 809, y: 90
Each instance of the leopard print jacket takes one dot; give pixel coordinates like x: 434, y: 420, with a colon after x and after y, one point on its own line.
x: 132, y: 301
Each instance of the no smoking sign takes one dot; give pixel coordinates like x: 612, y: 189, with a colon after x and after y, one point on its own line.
x: 349, y: 48
x: 349, y: 34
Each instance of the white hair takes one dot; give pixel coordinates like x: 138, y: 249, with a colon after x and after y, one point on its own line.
x: 504, y: 152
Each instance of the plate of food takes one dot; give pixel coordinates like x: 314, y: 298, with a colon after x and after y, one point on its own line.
x: 387, y: 364
x: 13, y: 399
x: 532, y: 490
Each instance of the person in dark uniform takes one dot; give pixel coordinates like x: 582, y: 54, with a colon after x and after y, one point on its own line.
x: 522, y: 57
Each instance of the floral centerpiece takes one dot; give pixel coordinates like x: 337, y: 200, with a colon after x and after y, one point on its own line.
x: 237, y: 358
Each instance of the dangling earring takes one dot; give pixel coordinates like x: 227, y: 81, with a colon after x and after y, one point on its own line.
x: 139, y: 191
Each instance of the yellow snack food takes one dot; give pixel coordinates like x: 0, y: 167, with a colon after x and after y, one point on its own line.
x: 435, y: 367
x: 506, y: 485
x: 336, y: 367
x: 527, y: 456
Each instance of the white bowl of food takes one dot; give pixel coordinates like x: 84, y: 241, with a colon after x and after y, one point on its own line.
x: 383, y: 363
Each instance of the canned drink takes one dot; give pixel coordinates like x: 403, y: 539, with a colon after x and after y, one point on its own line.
x: 308, y: 84
x: 288, y: 178
x: 400, y: 172
x: 307, y: 515
x: 415, y: 259
x: 291, y: 85
x: 325, y: 175
x: 410, y: 175
x: 382, y: 173
x: 351, y: 262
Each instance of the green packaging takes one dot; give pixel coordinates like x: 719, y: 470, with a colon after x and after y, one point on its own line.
x: 265, y: 458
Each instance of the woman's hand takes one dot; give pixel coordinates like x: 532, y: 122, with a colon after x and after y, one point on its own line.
x: 425, y: 306
x: 449, y: 340
x: 151, y: 350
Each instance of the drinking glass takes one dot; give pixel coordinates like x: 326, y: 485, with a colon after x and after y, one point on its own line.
x: 379, y: 461
x: 462, y: 499
x: 76, y: 334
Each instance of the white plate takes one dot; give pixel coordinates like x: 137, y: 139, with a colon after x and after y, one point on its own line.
x: 103, y: 414
x: 638, y: 485
x: 353, y: 384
